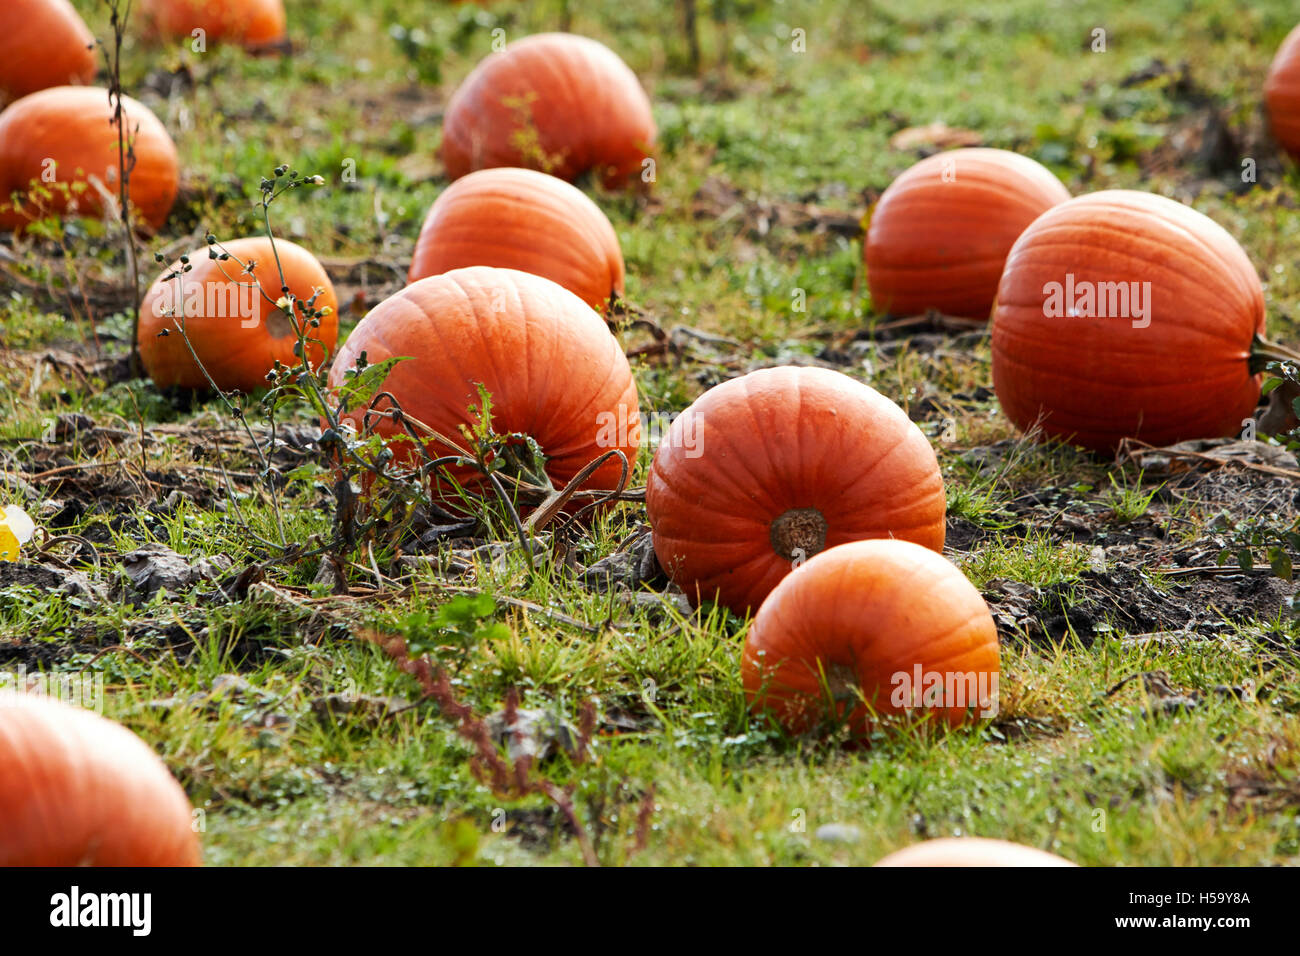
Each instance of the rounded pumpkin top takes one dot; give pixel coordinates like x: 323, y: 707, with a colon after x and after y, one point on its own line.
x: 77, y: 790
x: 230, y: 316
x: 43, y: 43
x: 252, y: 23
x: 767, y: 469
x: 64, y: 135
x: 971, y: 851
x: 550, y: 364
x: 1282, y: 94
x: 863, y: 618
x: 521, y: 219
x: 1126, y: 314
x: 557, y: 102
x: 940, y: 234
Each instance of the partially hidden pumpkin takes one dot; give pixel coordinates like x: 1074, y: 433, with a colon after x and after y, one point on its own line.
x: 229, y: 312
x: 553, y: 371
x: 62, y: 138
x: 971, y: 851
x: 766, y: 470
x: 557, y: 102
x: 1282, y: 94
x: 940, y: 234
x: 522, y: 219
x: 1123, y: 314
x: 43, y: 43
x: 77, y: 789
x: 250, y: 23
x: 872, y: 628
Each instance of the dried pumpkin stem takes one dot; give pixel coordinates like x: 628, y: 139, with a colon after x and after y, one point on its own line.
x: 1262, y: 352
x: 799, y: 533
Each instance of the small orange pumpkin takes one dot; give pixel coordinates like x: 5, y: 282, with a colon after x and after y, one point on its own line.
x: 521, y: 219
x: 941, y: 232
x: 971, y: 851
x: 43, y: 43
x: 230, y: 316
x: 249, y: 23
x: 883, y: 623
x: 557, y: 102
x: 768, y: 469
x: 79, y: 790
x: 65, y: 135
x: 553, y: 369
x: 1282, y: 94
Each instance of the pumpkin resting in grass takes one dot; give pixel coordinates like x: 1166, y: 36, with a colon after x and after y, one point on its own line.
x: 1282, y: 94
x: 553, y: 370
x: 770, y: 468
x: 883, y: 623
x: 43, y: 43
x: 62, y: 136
x: 940, y: 234
x: 971, y: 851
x: 79, y: 790
x: 1124, y: 314
x: 557, y: 102
x: 230, y: 316
x: 250, y: 23
x: 522, y: 219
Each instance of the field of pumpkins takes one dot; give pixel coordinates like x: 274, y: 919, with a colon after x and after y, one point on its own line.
x: 645, y: 433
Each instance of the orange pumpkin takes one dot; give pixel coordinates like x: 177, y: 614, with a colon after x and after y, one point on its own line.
x: 881, y: 626
x: 941, y: 232
x: 971, y: 851
x: 1282, y: 94
x: 560, y: 103
x: 249, y: 23
x: 64, y: 135
x: 770, y: 468
x: 230, y: 316
x: 1124, y: 314
x: 522, y: 219
x: 43, y: 43
x: 79, y: 790
x: 548, y: 360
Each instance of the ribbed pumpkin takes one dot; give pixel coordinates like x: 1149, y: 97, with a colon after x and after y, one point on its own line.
x: 886, y: 623
x: 773, y: 467
x: 548, y: 360
x: 65, y: 135
x: 43, y: 43
x: 1171, y: 365
x: 940, y: 234
x: 971, y: 851
x: 79, y: 790
x: 560, y: 103
x: 521, y: 219
x: 1282, y: 94
x: 230, y: 316
x: 249, y: 23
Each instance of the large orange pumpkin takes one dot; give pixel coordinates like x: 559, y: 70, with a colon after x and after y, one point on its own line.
x: 522, y: 219
x: 560, y: 103
x: 971, y: 851
x: 230, y: 316
x: 250, y: 23
x: 1282, y: 94
x: 770, y: 468
x: 549, y: 362
x: 65, y: 135
x: 940, y: 234
x: 1124, y: 314
x: 881, y: 626
x: 79, y: 790
x: 43, y: 43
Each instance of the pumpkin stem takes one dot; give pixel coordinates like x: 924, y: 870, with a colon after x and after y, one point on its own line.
x: 1262, y: 352
x: 799, y: 533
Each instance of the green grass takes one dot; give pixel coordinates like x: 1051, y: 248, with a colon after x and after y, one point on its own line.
x: 1062, y: 767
